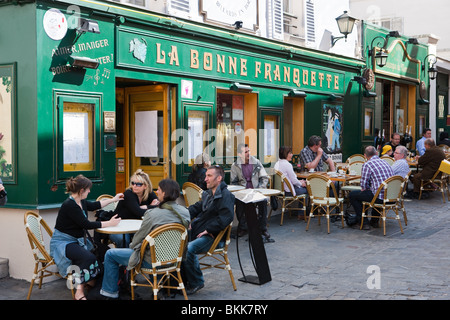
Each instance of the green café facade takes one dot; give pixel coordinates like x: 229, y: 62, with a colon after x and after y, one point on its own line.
x: 142, y: 90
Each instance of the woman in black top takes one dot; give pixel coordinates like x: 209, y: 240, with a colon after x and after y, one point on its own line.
x: 138, y: 198
x: 68, y: 246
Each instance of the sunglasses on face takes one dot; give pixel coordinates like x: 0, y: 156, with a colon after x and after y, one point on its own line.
x: 138, y: 184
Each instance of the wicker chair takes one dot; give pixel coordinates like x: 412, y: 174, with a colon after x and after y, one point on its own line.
x: 33, y: 226
x: 166, y: 244
x: 356, y: 157
x: 319, y: 193
x: 279, y: 180
x: 388, y: 159
x: 401, y: 205
x: 111, y: 206
x: 219, y: 254
x: 439, y: 179
x: 192, y: 193
x: 393, y: 191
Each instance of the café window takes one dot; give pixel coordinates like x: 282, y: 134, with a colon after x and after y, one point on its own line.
x: 78, y: 136
x: 198, y: 125
x: 230, y: 126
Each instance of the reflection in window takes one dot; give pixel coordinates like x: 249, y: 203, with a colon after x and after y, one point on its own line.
x: 197, y: 126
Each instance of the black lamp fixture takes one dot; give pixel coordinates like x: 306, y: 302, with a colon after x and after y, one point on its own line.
x: 296, y: 93
x: 86, y: 25
x: 236, y: 86
x: 237, y: 24
x: 345, y: 25
x: 82, y: 62
x: 432, y: 71
x: 381, y: 56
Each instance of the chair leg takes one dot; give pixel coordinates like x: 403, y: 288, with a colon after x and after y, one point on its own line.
x: 180, y: 284
x: 31, y: 285
x: 228, y: 267
x: 399, y: 222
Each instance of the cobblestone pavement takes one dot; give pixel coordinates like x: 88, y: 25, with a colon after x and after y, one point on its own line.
x: 347, y: 264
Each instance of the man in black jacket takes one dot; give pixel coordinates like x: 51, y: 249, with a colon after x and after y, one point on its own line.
x: 209, y: 216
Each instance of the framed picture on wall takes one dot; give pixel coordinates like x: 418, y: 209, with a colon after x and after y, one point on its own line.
x: 7, y: 122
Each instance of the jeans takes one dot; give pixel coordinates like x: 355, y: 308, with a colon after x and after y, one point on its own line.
x: 115, y: 258
x: 118, y: 240
x: 191, y: 265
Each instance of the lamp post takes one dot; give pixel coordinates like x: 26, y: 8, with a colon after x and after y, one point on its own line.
x: 345, y: 24
x: 432, y: 71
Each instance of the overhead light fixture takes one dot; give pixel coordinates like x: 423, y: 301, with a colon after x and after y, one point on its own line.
x: 240, y: 87
x: 412, y: 41
x: 345, y: 25
x: 381, y: 56
x: 296, y: 93
x: 86, y: 25
x: 82, y: 62
x: 432, y: 71
x: 237, y: 25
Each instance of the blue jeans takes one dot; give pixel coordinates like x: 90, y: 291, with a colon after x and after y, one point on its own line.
x: 115, y: 258
x: 118, y: 240
x: 191, y: 265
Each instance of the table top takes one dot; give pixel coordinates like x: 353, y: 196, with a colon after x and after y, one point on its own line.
x: 334, y: 177
x: 233, y: 188
x: 124, y: 226
x: 268, y: 192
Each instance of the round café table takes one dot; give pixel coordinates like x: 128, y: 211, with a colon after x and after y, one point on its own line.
x: 233, y: 188
x: 125, y: 226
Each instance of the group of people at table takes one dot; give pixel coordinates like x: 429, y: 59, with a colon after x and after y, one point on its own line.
x: 213, y: 213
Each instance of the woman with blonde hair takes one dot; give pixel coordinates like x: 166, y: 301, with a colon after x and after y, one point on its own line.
x: 138, y: 198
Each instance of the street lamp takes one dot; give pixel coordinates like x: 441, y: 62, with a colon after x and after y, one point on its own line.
x: 381, y: 56
x: 432, y: 71
x: 345, y: 25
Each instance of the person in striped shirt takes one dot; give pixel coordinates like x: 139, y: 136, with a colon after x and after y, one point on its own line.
x: 373, y: 173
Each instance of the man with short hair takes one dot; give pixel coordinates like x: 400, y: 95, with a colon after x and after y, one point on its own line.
x: 374, y: 171
x: 420, y: 145
x: 209, y: 216
x: 394, y: 143
x: 400, y: 166
x: 313, y: 157
x: 430, y: 162
x: 247, y: 171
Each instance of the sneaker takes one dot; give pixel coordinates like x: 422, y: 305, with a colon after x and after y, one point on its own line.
x: 193, y: 290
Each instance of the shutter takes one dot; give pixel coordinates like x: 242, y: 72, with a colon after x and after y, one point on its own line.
x: 310, y: 26
x: 277, y: 19
x: 179, y: 8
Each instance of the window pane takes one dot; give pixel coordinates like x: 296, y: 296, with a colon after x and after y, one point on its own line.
x: 78, y: 142
x: 197, y: 126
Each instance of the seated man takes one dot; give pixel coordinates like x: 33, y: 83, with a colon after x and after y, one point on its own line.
x: 213, y: 213
x: 167, y: 193
x: 373, y: 173
x: 313, y: 157
x: 394, y: 143
x: 430, y: 162
x: 400, y: 166
x: 249, y: 172
x: 420, y: 145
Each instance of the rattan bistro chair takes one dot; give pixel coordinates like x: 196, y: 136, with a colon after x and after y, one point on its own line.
x: 219, y: 254
x: 192, y: 193
x: 111, y: 206
x: 319, y: 193
x: 393, y: 189
x: 33, y: 226
x: 356, y: 157
x: 401, y: 204
x: 166, y: 244
x: 439, y: 179
x: 287, y: 202
x: 388, y: 159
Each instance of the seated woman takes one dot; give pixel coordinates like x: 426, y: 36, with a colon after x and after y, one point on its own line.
x: 138, y: 198
x: 68, y: 246
x: 284, y: 166
x: 167, y: 212
x: 198, y: 174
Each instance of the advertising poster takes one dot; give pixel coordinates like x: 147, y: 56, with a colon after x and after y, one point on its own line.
x: 332, y: 126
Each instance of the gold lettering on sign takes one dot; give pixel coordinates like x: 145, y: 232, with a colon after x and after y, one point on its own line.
x: 194, y: 59
x: 257, y: 68
x: 296, y: 77
x: 243, y: 67
x: 313, y: 78
x: 207, y: 61
x: 267, y: 69
x: 174, y: 56
x: 321, y: 77
x: 233, y: 63
x: 336, y: 82
x: 305, y: 77
x: 160, y: 55
x: 221, y: 63
x: 287, y: 74
x: 329, y: 80
x: 276, y: 73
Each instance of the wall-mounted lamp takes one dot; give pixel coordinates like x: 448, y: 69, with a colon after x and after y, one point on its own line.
x: 367, y: 80
x: 237, y: 25
x: 240, y: 87
x: 86, y: 25
x: 381, y: 56
x: 432, y: 71
x: 345, y: 25
x: 296, y: 93
x: 412, y: 41
x: 334, y: 97
x: 82, y: 62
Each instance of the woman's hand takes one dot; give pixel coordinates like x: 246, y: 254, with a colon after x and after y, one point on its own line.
x: 114, y: 221
x: 118, y: 197
x: 155, y: 202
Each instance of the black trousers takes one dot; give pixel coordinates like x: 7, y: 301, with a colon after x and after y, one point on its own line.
x: 356, y: 199
x: 84, y: 262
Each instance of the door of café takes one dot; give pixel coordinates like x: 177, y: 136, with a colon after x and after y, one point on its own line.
x: 145, y: 134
